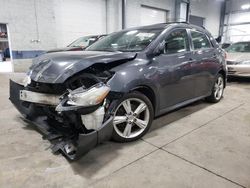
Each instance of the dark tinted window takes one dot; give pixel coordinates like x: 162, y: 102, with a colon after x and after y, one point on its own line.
x: 200, y: 40
x: 84, y: 41
x: 239, y: 47
x: 177, y: 42
x: 225, y: 45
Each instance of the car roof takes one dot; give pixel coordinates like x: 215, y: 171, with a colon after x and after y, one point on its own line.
x: 241, y: 42
x: 164, y: 25
x: 94, y: 35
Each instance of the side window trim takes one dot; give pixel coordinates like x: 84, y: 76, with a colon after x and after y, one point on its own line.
x: 188, y: 40
x: 191, y: 45
x: 208, y: 40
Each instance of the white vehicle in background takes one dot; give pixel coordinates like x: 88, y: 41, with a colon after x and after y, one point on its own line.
x: 1, y: 56
x: 238, y: 59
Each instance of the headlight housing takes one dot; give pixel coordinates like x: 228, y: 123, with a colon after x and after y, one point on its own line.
x: 93, y: 96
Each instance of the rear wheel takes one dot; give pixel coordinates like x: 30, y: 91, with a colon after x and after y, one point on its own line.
x: 218, y: 90
x: 132, y: 118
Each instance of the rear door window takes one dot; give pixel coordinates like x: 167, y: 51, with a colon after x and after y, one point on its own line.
x: 200, y: 40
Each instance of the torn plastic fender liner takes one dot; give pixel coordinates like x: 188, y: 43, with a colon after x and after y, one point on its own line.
x: 83, y: 143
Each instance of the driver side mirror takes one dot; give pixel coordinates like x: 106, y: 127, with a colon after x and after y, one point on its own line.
x: 218, y: 39
x: 160, y: 48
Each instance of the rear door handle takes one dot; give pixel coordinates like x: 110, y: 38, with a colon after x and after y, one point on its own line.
x: 215, y: 56
x: 191, y: 60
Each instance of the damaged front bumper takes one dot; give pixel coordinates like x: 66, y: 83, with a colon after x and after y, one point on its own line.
x: 68, y: 140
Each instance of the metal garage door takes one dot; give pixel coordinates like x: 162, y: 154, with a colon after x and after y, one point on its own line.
x: 237, y: 27
x: 78, y: 18
x: 150, y: 15
x: 196, y: 20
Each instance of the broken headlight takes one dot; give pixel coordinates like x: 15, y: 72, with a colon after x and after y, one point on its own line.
x: 27, y: 79
x: 90, y: 97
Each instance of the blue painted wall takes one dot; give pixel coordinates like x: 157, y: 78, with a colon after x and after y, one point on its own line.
x: 26, y: 54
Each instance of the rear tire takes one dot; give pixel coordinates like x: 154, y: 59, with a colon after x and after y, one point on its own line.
x: 218, y: 89
x: 133, y: 117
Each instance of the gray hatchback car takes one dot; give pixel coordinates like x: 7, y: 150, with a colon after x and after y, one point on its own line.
x: 118, y: 85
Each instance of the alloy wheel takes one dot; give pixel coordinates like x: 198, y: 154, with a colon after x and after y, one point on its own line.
x: 131, y: 118
x: 218, y: 88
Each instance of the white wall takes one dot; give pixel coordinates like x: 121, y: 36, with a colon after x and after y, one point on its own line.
x: 20, y: 17
x: 237, y: 21
x: 114, y: 15
x: 61, y: 21
x: 133, y: 12
x: 210, y: 10
x: 235, y: 5
x: 151, y: 16
x: 134, y: 9
x: 78, y: 18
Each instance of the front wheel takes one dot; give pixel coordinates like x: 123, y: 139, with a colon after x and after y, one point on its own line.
x: 218, y: 90
x: 132, y: 118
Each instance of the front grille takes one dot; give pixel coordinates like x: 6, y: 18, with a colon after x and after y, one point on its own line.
x: 84, y: 80
x: 46, y: 88
x: 232, y: 63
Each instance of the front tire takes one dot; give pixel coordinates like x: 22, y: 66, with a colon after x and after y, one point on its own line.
x: 133, y: 117
x: 218, y: 90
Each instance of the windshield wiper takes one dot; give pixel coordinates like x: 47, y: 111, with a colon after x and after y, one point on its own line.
x: 107, y: 49
x: 75, y: 46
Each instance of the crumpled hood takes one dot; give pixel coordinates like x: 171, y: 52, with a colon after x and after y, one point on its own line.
x: 238, y: 57
x: 57, y: 67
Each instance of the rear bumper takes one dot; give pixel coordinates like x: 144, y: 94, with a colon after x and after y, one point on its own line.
x: 72, y: 145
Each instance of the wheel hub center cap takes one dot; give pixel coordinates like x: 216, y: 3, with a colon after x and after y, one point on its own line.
x: 131, y: 118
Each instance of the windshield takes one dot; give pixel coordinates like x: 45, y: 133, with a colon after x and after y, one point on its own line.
x: 83, y: 41
x: 126, y: 41
x: 239, y: 47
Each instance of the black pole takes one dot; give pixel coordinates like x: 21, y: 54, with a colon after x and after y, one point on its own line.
x: 188, y: 12
x: 222, y: 17
x: 124, y: 14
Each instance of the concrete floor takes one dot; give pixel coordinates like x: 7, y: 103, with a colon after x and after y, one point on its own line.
x: 201, y: 145
x: 5, y: 66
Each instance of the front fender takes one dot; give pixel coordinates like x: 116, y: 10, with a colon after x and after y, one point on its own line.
x: 133, y: 77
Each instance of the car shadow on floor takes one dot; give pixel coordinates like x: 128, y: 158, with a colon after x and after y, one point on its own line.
x: 101, y: 157
x: 98, y: 162
x: 105, y: 159
x: 243, y: 82
x: 94, y: 161
x: 178, y: 114
x: 239, y: 80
